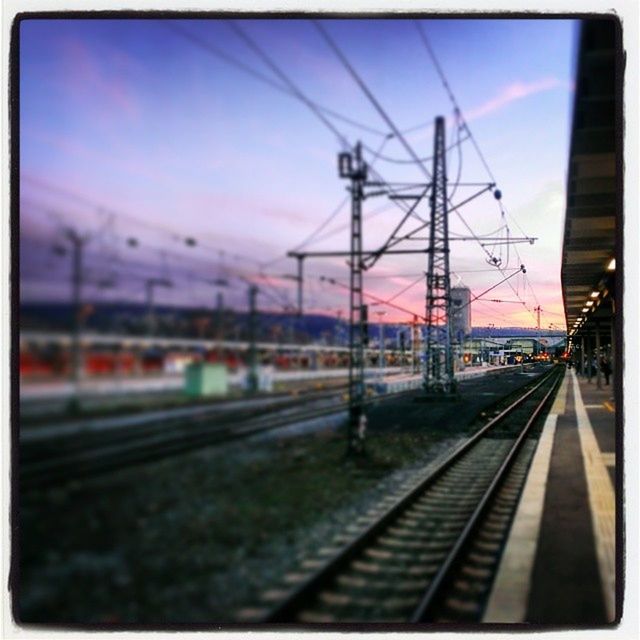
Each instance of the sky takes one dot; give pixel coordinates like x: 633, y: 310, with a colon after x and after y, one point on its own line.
x: 167, y: 146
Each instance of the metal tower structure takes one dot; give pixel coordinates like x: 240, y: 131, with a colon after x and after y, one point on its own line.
x: 252, y: 375
x: 438, y: 370
x: 352, y: 166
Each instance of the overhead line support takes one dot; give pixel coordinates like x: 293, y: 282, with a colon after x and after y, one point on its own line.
x: 438, y: 365
x: 351, y: 166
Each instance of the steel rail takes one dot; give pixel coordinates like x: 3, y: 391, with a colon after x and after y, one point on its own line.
x: 285, y: 611
x: 439, y: 580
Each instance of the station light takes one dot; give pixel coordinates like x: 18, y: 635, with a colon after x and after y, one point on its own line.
x: 595, y: 294
x: 589, y: 303
x: 612, y: 265
x: 585, y: 309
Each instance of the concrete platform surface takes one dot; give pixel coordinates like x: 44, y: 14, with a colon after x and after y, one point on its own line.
x: 558, y: 566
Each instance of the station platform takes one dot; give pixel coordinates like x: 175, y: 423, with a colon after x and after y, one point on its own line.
x: 559, y: 563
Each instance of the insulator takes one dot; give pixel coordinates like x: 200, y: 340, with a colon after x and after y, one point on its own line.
x: 497, y: 194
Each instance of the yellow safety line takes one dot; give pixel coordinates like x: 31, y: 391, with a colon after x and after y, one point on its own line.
x: 560, y: 403
x: 609, y: 459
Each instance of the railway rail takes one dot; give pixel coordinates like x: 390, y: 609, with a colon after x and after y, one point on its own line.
x: 76, y: 452
x: 430, y: 555
x: 81, y: 452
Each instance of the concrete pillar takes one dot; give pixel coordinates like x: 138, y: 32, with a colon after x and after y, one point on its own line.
x: 612, y: 358
x: 583, y: 360
x: 598, y: 367
x: 589, y: 357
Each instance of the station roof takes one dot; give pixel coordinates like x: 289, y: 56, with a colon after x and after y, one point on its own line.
x: 593, y: 198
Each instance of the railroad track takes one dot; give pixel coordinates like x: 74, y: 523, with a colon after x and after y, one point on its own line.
x: 83, y: 454
x: 92, y: 453
x: 430, y: 554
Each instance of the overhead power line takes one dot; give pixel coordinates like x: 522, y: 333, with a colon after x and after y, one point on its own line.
x: 239, y: 64
x: 454, y: 102
x: 378, y: 107
x: 452, y: 98
x: 312, y: 236
x: 374, y: 298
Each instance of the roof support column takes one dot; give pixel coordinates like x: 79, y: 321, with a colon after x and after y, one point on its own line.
x: 598, y: 357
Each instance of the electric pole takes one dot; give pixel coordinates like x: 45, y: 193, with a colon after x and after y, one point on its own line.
x: 352, y: 166
x: 381, y: 315
x: 219, y: 312
x: 77, y: 243
x: 415, y: 345
x: 538, y: 310
x: 299, y: 280
x: 438, y: 372
x: 252, y: 377
x: 150, y: 284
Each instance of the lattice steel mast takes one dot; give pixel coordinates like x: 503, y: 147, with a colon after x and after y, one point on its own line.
x: 438, y: 370
x: 353, y: 167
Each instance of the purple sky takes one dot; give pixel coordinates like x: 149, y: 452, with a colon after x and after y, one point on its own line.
x: 131, y: 129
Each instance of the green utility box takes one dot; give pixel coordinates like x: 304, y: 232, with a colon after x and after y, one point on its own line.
x: 203, y: 379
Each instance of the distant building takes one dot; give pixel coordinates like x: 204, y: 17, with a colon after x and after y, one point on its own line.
x: 460, y: 313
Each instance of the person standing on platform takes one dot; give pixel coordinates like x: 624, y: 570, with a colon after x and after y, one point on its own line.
x: 605, y: 367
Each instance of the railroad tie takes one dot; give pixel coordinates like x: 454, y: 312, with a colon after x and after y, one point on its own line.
x: 463, y: 607
x: 250, y: 614
x: 484, y: 560
x: 366, y: 583
x: 320, y: 617
x: 478, y: 573
x: 273, y: 595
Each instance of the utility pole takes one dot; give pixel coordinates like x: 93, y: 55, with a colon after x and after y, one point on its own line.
x: 300, y: 280
x: 381, y: 315
x: 338, y: 328
x: 438, y: 372
x: 415, y: 342
x: 219, y: 312
x: 252, y: 377
x: 352, y: 166
x: 77, y: 243
x: 150, y: 284
x: 538, y: 310
x: 400, y: 344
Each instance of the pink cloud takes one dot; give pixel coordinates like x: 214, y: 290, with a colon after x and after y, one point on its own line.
x: 512, y: 93
x: 86, y: 80
x: 121, y: 161
x: 285, y: 214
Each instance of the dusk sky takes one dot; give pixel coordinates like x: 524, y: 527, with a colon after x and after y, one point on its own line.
x: 135, y: 128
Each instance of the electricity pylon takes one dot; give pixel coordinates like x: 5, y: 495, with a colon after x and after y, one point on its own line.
x: 352, y: 166
x: 438, y: 369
